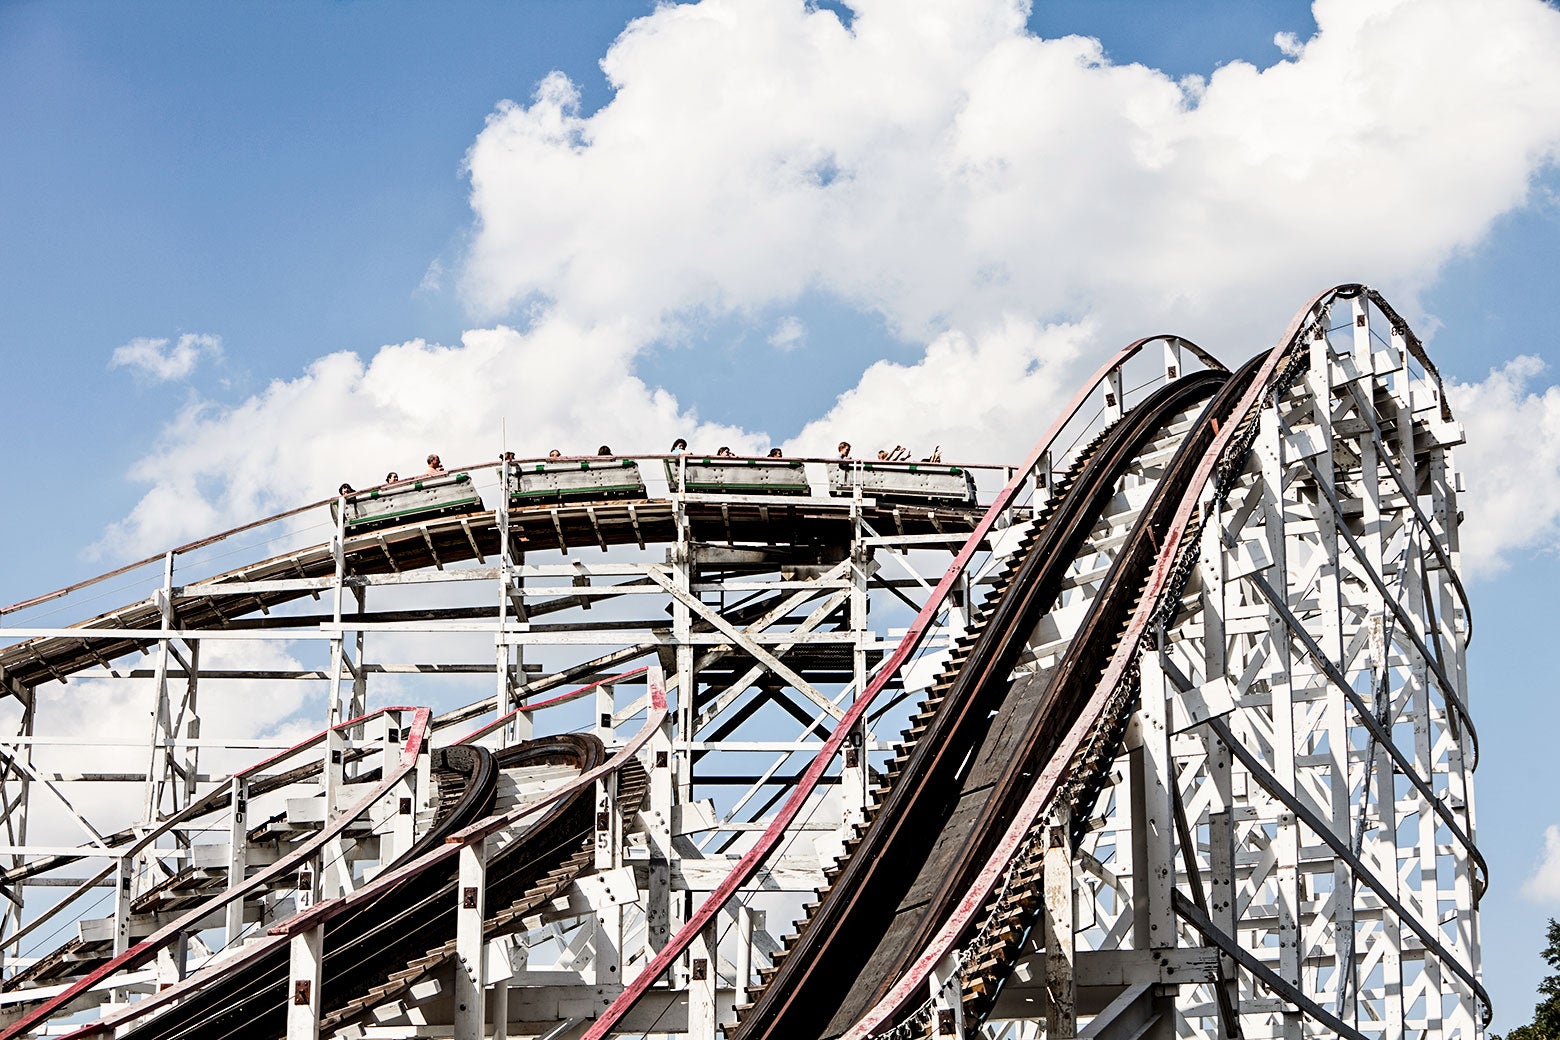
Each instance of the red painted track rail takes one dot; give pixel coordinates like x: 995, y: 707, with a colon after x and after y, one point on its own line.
x: 743, y: 871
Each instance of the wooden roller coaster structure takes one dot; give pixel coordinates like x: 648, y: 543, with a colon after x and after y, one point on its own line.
x: 1184, y: 741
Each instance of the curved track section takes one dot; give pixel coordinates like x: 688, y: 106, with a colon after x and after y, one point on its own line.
x: 377, y: 952
x: 466, y: 779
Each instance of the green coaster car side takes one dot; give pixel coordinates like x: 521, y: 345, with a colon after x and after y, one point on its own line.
x: 737, y: 476
x: 537, y: 483
x: 917, y: 481
x: 421, y: 498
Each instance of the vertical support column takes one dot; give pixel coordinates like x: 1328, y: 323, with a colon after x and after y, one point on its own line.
x: 1044, y: 477
x: 503, y: 695
x: 856, y: 773
x: 1363, y: 362
x: 192, y: 728
x: 607, y: 961
x: 1110, y: 396
x: 15, y: 795
x: 1173, y: 366
x: 1288, y: 881
x: 1375, y: 839
x: 173, y: 961
x: 606, y: 708
x: 335, y: 875
x: 947, y: 1000
x: 238, y: 854
x: 1413, y: 701
x: 306, y: 955
x: 1060, y: 924
x: 124, y: 894
x: 658, y: 827
x: 334, y: 744
x: 359, y: 702
x: 747, y: 917
x: 683, y: 567
x: 1453, y: 630
x: 501, y: 1011
x: 674, y: 906
x: 164, y: 736
x: 509, y: 658
x: 1221, y: 885
x: 1153, y: 827
x: 470, y: 950
x: 402, y: 825
x: 162, y: 717
x: 703, y: 974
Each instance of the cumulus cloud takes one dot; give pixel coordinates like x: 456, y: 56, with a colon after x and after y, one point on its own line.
x: 156, y: 360
x: 1010, y: 207
x: 1543, y: 885
x: 1514, y: 496
x: 935, y: 402
x: 938, y: 164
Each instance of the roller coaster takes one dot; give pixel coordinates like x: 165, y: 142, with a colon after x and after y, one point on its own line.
x: 589, y: 747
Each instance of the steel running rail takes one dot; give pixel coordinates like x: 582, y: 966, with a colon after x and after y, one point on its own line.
x: 772, y: 835
x: 1159, y: 598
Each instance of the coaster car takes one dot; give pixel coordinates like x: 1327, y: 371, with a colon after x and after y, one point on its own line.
x: 421, y: 498
x: 737, y: 476
x: 916, y: 481
x: 537, y: 483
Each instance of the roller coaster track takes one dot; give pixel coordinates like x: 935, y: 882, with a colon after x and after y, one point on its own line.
x: 1005, y: 757
x: 415, y: 927
x: 402, y: 918
x: 977, y: 739
x: 911, y: 886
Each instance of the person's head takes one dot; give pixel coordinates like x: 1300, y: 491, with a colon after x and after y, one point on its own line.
x: 882, y: 455
x: 844, y: 449
x: 679, y: 445
x: 603, y: 450
x: 774, y: 453
x: 507, y: 456
x: 555, y: 454
x: 434, y: 463
x: 345, y: 489
x: 723, y: 452
x: 392, y: 477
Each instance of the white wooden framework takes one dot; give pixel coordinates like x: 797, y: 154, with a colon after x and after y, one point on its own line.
x: 1284, y: 846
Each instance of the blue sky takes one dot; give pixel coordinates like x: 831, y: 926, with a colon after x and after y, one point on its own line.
x: 296, y: 185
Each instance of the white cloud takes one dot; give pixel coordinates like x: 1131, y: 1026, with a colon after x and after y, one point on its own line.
x: 788, y: 334
x: 1013, y: 206
x: 1543, y: 885
x: 1513, y: 500
x: 154, y: 359
x: 938, y: 164
x: 940, y: 401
